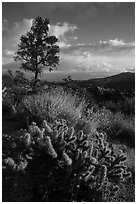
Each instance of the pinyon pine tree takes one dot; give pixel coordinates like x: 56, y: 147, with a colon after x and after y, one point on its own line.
x: 38, y: 49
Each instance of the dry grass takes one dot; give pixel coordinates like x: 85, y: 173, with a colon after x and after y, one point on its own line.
x: 55, y: 104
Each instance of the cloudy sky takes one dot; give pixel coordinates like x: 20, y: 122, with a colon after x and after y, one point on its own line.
x: 93, y: 37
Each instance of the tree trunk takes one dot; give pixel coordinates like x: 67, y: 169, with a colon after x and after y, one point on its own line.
x: 35, y: 81
x: 36, y: 76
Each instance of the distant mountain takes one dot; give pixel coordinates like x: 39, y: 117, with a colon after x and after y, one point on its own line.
x: 123, y: 81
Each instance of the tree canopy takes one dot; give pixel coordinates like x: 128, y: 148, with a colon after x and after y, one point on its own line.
x: 37, y: 48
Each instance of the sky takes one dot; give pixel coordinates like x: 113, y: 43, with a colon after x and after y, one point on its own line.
x: 94, y: 37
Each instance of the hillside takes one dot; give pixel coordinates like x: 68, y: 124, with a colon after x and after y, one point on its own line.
x: 83, y: 128
x: 123, y: 81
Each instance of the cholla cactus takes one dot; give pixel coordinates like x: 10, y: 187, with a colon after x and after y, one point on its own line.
x: 15, y: 167
x: 49, y: 148
x: 35, y: 132
x: 71, y: 162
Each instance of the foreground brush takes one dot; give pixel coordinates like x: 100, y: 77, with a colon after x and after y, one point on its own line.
x: 60, y: 164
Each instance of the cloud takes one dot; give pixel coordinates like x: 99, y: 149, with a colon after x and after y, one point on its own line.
x: 114, y: 42
x: 95, y: 63
x: 103, y: 56
x: 63, y: 44
x: 12, y: 33
x: 11, y: 37
x: 73, y: 37
x: 20, y: 28
x: 107, y: 47
x: 128, y: 69
x: 60, y: 30
x: 85, y: 62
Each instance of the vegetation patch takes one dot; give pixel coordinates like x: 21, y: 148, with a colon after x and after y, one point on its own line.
x: 59, y: 165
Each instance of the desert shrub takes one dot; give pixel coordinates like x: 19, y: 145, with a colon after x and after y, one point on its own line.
x: 112, y: 106
x: 102, y: 117
x: 18, y: 93
x: 16, y: 86
x: 58, y: 164
x: 11, y: 100
x: 20, y: 79
x: 127, y: 106
x: 52, y: 104
x: 10, y: 79
x: 122, y: 130
x: 117, y: 126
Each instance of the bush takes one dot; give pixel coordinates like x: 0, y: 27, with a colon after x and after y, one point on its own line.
x: 118, y: 127
x: 15, y: 87
x: 58, y: 164
x: 102, y: 117
x: 127, y: 106
x: 11, y: 100
x: 53, y: 104
x: 122, y: 130
x: 112, y: 106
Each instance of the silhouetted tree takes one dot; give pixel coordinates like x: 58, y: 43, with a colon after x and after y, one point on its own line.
x: 38, y: 49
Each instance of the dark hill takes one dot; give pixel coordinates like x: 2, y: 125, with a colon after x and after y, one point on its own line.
x: 123, y: 81
x: 114, y: 88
